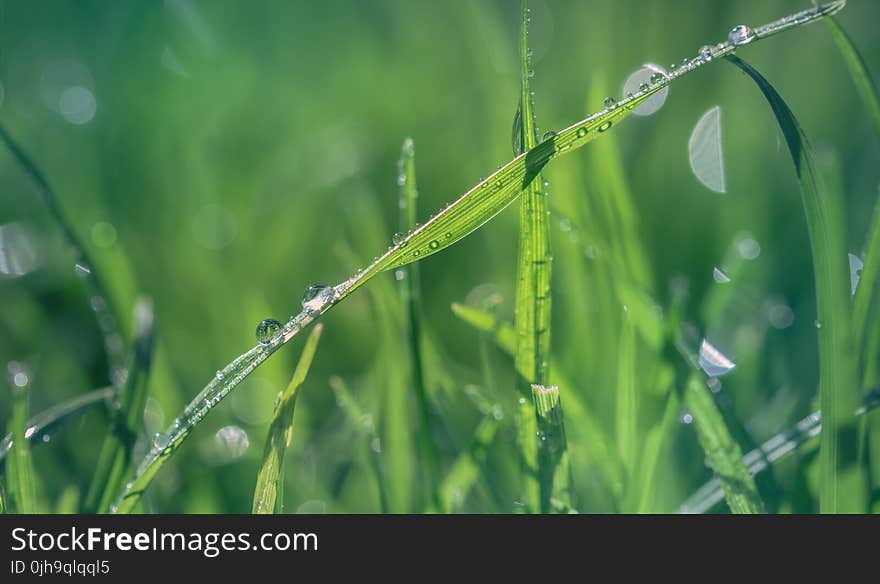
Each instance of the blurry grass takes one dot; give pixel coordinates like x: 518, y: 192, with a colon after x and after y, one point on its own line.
x: 268, y: 492
x: 21, y: 482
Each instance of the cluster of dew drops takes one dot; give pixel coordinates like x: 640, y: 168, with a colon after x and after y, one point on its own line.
x: 314, y: 300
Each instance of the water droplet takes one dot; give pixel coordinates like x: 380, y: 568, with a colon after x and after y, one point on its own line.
x: 268, y: 330
x: 740, y: 35
x: 672, y: 67
x: 46, y: 438
x: 434, y: 244
x: 547, y: 135
x: 714, y: 384
x: 706, y: 53
x: 398, y: 238
x: 161, y: 441
x: 399, y: 275
x: 704, y: 151
x: 817, y: 324
x: 656, y: 78
x: 82, y: 269
x: 316, y: 298
x: 712, y: 361
x: 685, y: 417
x: 855, y: 271
x: 609, y: 102
x: 639, y: 81
x: 747, y: 247
x: 719, y: 276
x: 522, y: 401
x: 219, y: 375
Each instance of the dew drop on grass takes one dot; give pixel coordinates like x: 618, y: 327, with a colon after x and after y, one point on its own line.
x: 161, y: 441
x: 705, y: 153
x: 316, y: 298
x: 640, y: 78
x: 547, y: 135
x: 740, y: 35
x: 398, y: 238
x: 747, y: 247
x: 712, y: 361
x: 855, y: 271
x: 268, y: 330
x: 705, y: 53
x: 686, y: 417
x: 719, y: 276
x: 609, y: 102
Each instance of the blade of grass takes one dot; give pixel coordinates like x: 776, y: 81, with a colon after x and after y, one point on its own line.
x: 658, y: 436
x: 467, y: 468
x: 412, y: 288
x: 533, y: 295
x: 364, y: 425
x: 460, y: 218
x: 99, y: 299
x: 722, y: 451
x: 858, y: 70
x: 268, y: 495
x: 554, y: 474
x: 40, y: 424
x: 841, y: 483
x: 19, y: 470
x: 773, y: 450
x: 114, y: 461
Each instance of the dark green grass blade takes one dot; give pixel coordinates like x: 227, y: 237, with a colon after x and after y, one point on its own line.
x: 99, y: 299
x: 467, y: 468
x: 368, y: 436
x: 412, y: 287
x: 533, y: 296
x: 270, y: 478
x: 460, y: 218
x: 858, y: 70
x: 45, y: 421
x: 114, y: 462
x: 19, y: 469
x: 864, y: 325
x: 841, y: 483
x: 721, y: 450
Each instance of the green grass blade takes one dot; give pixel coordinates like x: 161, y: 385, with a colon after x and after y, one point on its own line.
x: 867, y: 283
x: 412, y: 286
x: 656, y: 439
x: 114, y: 461
x: 722, y: 451
x: 364, y: 425
x: 841, y: 485
x: 533, y: 295
x: 467, y: 468
x: 858, y: 70
x: 40, y: 424
x: 270, y: 477
x: 99, y: 299
x: 19, y: 469
x: 554, y: 474
x: 773, y: 450
x: 457, y: 220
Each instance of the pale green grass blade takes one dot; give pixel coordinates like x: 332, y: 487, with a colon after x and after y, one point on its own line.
x: 412, y: 286
x: 858, y: 70
x: 841, y: 483
x: 554, y: 473
x: 99, y: 300
x: 721, y: 450
x: 114, y: 462
x: 270, y: 477
x: 865, y: 326
x: 20, y: 477
x: 2, y: 499
x: 42, y: 423
x: 626, y: 401
x: 658, y: 437
x: 773, y: 450
x: 365, y: 427
x: 458, y: 219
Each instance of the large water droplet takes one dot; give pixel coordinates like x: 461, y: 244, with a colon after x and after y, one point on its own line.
x: 855, y: 271
x: 398, y: 238
x: 316, y: 298
x: 161, y: 441
x: 705, y: 53
x: 713, y: 362
x: 641, y: 78
x: 268, y: 330
x: 609, y: 102
x: 740, y: 35
x: 705, y: 153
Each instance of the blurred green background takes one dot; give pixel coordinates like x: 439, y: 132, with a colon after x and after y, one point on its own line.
x: 218, y: 157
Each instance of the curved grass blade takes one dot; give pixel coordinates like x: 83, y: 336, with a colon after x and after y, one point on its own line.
x: 773, y: 450
x: 467, y: 467
x: 270, y: 479
x: 114, y: 461
x: 840, y: 482
x: 408, y: 195
x: 99, y: 299
x: 457, y: 220
x: 364, y: 425
x: 20, y: 470
x: 42, y: 423
x: 858, y: 70
x: 722, y: 451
